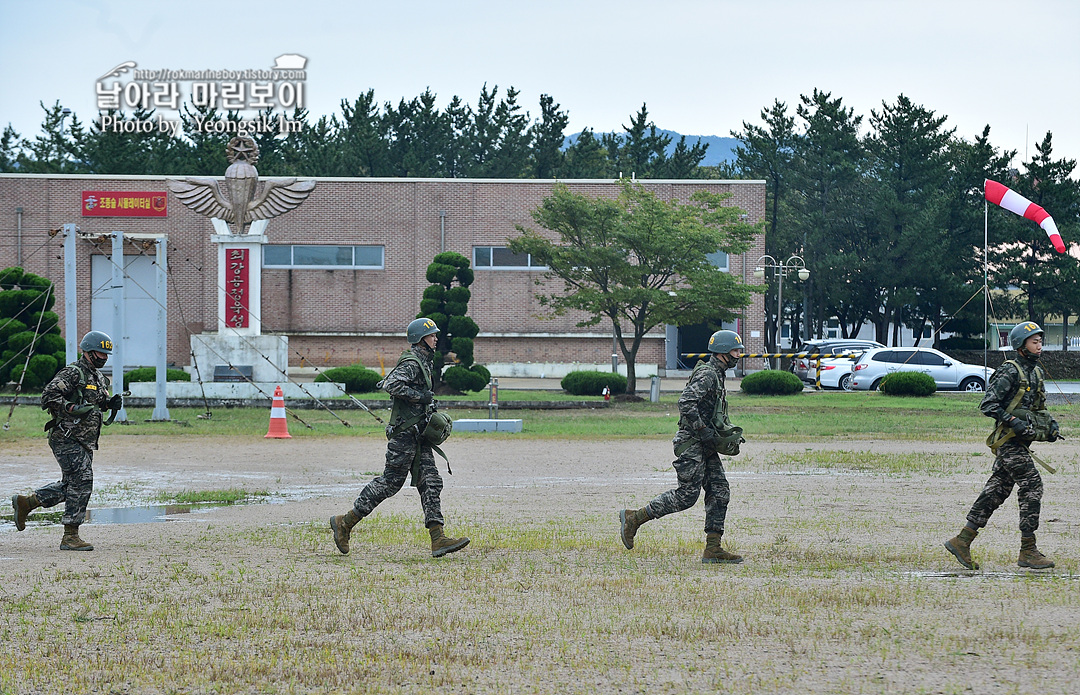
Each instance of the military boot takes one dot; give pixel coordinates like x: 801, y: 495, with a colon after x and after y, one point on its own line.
x: 960, y: 547
x: 71, y: 540
x: 1030, y: 555
x: 342, y: 526
x: 23, y: 505
x: 629, y: 522
x: 715, y: 554
x: 441, y: 544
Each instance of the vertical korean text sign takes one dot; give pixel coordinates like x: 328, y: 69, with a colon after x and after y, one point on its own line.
x: 236, y: 288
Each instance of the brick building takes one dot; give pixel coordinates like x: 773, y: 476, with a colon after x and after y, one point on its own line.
x: 344, y: 273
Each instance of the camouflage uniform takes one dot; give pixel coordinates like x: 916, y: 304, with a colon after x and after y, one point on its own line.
x: 698, y: 467
x: 407, y: 384
x: 73, y: 439
x: 1013, y: 464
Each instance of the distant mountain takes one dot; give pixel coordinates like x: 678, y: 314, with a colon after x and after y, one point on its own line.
x: 720, y: 149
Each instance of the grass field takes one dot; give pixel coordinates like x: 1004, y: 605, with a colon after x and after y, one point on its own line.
x: 802, y: 417
x: 840, y: 503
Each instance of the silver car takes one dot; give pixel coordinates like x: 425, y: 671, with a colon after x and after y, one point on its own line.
x: 949, y: 374
x: 836, y: 376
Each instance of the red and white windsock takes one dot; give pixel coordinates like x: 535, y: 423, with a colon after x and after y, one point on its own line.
x: 1014, y: 202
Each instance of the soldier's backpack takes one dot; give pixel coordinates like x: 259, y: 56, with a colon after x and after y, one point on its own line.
x: 1038, y: 417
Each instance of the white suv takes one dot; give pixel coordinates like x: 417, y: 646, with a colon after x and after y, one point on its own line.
x: 874, y: 365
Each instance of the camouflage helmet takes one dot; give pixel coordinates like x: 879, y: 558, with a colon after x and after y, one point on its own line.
x: 419, y: 328
x: 96, y: 341
x: 723, y: 342
x: 1021, y: 332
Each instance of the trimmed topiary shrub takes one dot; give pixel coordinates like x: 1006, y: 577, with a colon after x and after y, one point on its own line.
x: 150, y: 374
x: 39, y: 371
x: 772, y: 382
x: 25, y: 320
x: 446, y: 304
x: 356, y: 377
x: 585, y: 383
x: 473, y: 378
x: 907, y: 384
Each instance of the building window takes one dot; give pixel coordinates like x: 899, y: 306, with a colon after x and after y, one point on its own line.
x: 293, y: 256
x: 719, y: 259
x: 501, y: 258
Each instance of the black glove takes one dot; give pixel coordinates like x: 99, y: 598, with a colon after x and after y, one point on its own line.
x: 1055, y: 431
x: 80, y: 410
x: 1020, y: 427
x: 427, y: 397
x: 114, y: 403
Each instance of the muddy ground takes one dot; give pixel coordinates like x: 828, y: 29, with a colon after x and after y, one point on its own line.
x: 845, y: 586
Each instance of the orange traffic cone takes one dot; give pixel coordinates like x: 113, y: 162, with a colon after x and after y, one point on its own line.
x: 279, y: 426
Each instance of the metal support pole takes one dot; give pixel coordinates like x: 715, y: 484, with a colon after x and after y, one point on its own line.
x: 71, y: 323
x: 493, y: 399
x: 442, y: 231
x: 118, y: 318
x: 161, y: 410
x: 18, y: 236
x: 779, y: 312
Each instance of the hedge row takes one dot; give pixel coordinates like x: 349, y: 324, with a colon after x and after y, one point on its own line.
x: 907, y: 384
x: 772, y: 382
x: 585, y: 383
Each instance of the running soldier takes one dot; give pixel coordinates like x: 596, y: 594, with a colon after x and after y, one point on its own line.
x: 704, y: 433
x: 1016, y: 399
x: 75, y: 398
x: 409, y: 383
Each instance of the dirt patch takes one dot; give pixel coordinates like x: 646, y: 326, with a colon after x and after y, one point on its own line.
x: 845, y: 587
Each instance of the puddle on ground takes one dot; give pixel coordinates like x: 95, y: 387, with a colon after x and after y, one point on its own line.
x: 142, y: 515
x: 979, y: 574
x: 122, y: 515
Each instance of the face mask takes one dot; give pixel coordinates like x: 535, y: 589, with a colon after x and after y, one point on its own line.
x: 98, y: 362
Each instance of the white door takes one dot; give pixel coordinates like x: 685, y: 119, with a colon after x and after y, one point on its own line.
x: 140, y: 309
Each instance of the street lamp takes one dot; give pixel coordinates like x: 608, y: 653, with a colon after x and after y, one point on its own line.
x: 795, y: 263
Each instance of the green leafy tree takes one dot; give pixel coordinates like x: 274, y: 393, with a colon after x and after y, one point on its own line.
x: 511, y: 157
x: 638, y: 261
x: 766, y: 152
x: 586, y: 158
x: 906, y: 213
x: 9, y: 150
x: 206, y: 156
x: 446, y: 302
x: 949, y: 306
x: 364, y: 149
x: 52, y: 152
x: 29, y: 332
x: 684, y: 162
x: 547, y: 135
x: 419, y: 137
x: 639, y: 152
x: 1023, y: 255
x: 825, y: 226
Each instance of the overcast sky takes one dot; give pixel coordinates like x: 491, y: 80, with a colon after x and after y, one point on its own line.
x: 702, y: 67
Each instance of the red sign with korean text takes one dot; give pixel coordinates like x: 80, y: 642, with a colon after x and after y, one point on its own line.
x: 236, y: 288
x: 124, y: 204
